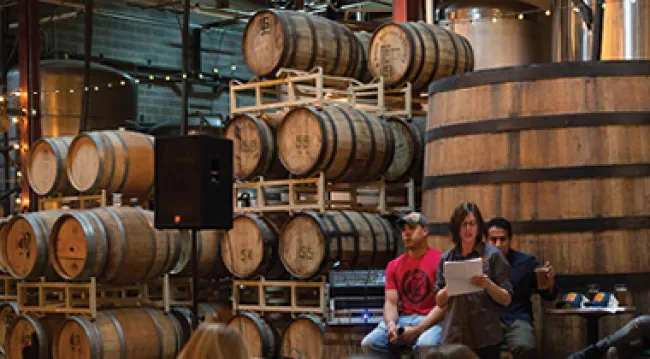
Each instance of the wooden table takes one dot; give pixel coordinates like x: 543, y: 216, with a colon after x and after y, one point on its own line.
x: 592, y: 315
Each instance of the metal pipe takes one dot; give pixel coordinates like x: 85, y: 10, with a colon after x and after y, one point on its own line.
x: 186, y: 66
x: 88, y: 45
x: 4, y: 29
x: 598, y: 31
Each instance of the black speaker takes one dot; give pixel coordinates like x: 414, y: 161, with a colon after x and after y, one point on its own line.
x: 193, y: 182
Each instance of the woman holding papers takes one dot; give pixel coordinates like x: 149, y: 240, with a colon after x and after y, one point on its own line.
x: 476, y: 289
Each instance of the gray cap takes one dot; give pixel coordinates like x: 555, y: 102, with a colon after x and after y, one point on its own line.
x: 413, y: 218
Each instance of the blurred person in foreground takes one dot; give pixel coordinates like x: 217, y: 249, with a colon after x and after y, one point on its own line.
x: 450, y: 351
x: 410, y: 280
x: 473, y: 319
x: 517, y: 318
x: 214, y: 341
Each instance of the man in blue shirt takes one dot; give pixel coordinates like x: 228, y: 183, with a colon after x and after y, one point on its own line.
x: 517, y: 318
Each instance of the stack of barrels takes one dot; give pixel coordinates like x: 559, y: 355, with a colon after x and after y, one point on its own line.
x: 114, y: 161
x: 341, y: 142
x: 116, y: 246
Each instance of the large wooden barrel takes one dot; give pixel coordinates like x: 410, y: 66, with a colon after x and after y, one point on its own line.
x: 25, y: 247
x: 418, y: 53
x: 46, y: 169
x: 275, y: 39
x: 210, y: 263
x: 30, y: 337
x: 261, y: 338
x: 254, y: 147
x: 310, y: 243
x: 222, y: 311
x: 251, y: 247
x: 143, y: 333
x: 560, y: 150
x: 347, y: 144
x: 409, y: 149
x: 8, y: 312
x: 117, y: 245
x: 117, y: 161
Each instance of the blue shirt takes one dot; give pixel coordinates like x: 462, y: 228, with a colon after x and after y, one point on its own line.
x: 524, y: 281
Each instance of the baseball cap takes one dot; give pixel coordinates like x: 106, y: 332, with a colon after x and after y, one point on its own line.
x: 413, y: 218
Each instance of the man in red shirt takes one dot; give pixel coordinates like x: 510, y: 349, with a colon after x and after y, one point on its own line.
x: 410, y: 279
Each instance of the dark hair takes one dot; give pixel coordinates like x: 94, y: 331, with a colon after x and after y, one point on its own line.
x: 460, y: 212
x: 499, y: 222
x: 454, y: 351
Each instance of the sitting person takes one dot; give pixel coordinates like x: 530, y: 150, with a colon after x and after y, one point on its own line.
x: 517, y: 318
x: 628, y: 342
x: 214, y: 341
x: 410, y: 279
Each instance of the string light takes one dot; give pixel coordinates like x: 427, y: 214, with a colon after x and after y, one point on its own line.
x: 15, y: 146
x: 521, y: 16
x: 15, y: 120
x: 494, y: 19
x: 167, y: 78
x: 215, y: 70
x: 233, y: 67
x: 548, y: 12
x: 152, y: 77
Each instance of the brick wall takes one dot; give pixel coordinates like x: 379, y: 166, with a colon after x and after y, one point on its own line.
x: 153, y: 37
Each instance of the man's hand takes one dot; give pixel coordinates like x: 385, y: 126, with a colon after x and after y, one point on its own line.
x: 409, y: 336
x: 392, y: 331
x: 550, y: 274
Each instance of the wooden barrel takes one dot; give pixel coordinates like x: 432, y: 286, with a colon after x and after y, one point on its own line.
x: 8, y: 312
x: 308, y: 337
x: 311, y: 243
x: 251, y: 247
x: 117, y: 161
x: 560, y: 150
x: 25, y: 246
x: 46, y: 169
x: 118, y: 245
x: 261, y: 338
x: 409, y: 149
x: 364, y: 39
x: 418, y: 53
x: 223, y: 312
x: 30, y: 337
x: 142, y: 333
x: 210, y: 262
x: 3, y: 238
x: 254, y: 147
x: 275, y: 39
x: 347, y: 144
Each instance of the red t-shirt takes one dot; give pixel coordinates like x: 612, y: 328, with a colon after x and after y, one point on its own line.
x: 414, y: 280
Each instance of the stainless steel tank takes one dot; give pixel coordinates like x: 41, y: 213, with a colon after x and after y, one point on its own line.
x: 109, y: 108
x: 572, y: 31
x: 499, y: 36
x: 625, y: 36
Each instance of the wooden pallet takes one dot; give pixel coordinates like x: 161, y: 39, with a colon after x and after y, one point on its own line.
x: 8, y: 288
x: 319, y: 195
x: 375, y: 98
x: 293, y: 88
x: 86, y: 201
x: 291, y: 307
x: 73, y: 298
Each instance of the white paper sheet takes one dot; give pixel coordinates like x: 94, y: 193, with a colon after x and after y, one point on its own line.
x: 458, y: 276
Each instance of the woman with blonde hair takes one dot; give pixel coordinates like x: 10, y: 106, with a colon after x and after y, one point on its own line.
x: 214, y: 341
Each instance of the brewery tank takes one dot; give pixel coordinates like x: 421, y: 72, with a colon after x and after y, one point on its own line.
x: 110, y: 107
x: 502, y: 33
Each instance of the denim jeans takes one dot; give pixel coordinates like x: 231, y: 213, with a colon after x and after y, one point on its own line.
x: 376, y: 342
